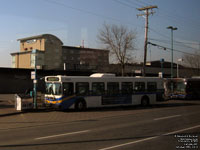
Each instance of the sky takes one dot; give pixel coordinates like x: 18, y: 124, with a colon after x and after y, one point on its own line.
x: 73, y: 21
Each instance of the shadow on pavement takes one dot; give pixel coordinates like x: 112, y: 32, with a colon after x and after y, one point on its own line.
x: 138, y: 107
x: 165, y: 104
x: 5, y: 104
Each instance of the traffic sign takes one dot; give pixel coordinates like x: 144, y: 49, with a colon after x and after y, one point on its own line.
x: 32, y: 75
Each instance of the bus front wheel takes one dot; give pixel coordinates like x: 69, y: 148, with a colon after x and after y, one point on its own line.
x: 80, y: 105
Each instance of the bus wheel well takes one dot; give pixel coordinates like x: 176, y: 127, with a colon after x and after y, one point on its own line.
x: 80, y: 104
x: 145, y: 100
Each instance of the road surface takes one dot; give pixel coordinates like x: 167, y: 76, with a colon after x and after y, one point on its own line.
x: 172, y: 125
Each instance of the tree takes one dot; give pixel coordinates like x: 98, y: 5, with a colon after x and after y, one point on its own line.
x: 193, y: 61
x: 120, y: 41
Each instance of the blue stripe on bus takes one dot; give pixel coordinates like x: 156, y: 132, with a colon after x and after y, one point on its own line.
x: 56, y: 99
x: 66, y: 101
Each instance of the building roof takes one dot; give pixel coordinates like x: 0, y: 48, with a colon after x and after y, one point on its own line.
x: 26, y: 52
x: 79, y: 48
x: 166, y: 64
x: 39, y: 36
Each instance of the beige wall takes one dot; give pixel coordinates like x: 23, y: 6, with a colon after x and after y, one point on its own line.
x: 34, y: 44
x: 16, y: 61
x: 53, y: 56
x: 23, y: 60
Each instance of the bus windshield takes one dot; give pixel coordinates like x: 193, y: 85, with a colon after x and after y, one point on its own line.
x: 179, y: 87
x: 53, y: 88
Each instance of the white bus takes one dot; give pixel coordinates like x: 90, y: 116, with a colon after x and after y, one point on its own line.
x: 182, y: 88
x: 101, y: 90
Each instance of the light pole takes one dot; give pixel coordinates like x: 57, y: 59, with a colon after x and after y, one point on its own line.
x: 161, y: 62
x: 34, y: 52
x: 179, y: 60
x: 172, y: 29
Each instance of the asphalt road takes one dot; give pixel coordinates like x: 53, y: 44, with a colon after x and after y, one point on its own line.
x: 171, y: 125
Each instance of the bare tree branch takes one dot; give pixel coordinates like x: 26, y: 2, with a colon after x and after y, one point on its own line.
x: 193, y: 61
x: 119, y: 40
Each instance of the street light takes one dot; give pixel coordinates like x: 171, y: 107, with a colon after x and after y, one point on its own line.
x: 34, y: 53
x: 179, y: 60
x: 172, y: 29
x: 161, y: 62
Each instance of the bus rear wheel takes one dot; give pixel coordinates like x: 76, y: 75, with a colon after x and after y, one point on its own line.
x: 80, y: 105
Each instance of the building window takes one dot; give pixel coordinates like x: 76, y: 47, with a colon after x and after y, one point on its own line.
x: 31, y: 41
x: 13, y: 61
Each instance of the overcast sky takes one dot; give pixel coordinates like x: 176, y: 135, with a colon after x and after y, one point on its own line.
x: 75, y: 20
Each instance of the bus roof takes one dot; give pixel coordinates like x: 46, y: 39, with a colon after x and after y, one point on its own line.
x: 102, y: 75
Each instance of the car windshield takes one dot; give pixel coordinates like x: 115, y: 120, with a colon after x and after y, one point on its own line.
x: 53, y: 88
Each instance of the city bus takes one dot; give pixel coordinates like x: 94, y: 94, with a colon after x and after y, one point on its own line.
x: 182, y: 88
x: 101, y: 90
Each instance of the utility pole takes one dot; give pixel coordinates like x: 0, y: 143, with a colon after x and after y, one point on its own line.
x: 172, y: 57
x: 148, y: 11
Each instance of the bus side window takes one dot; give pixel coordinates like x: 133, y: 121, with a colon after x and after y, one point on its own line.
x: 139, y: 86
x: 151, y: 86
x: 68, y: 88
x: 112, y: 88
x: 98, y: 88
x: 82, y: 88
x: 127, y: 87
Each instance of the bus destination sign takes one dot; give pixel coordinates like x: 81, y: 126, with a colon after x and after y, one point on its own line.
x: 52, y: 79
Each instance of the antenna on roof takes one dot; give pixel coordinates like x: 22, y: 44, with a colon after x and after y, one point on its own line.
x: 82, y: 43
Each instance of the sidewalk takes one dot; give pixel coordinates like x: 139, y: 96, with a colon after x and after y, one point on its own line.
x: 7, y: 107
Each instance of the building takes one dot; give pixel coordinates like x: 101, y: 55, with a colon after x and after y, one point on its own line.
x: 51, y: 54
x: 79, y: 58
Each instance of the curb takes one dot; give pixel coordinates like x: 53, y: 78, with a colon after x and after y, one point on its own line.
x: 11, y: 114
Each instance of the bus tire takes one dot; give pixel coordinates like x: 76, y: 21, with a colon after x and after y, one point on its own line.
x: 80, y: 105
x: 145, y: 101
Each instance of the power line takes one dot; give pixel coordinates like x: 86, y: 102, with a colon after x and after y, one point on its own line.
x: 182, y: 44
x: 178, y: 18
x: 192, y: 43
x: 135, y: 3
x: 158, y: 33
x: 141, y: 2
x: 125, y: 4
x: 167, y: 48
x: 88, y: 12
